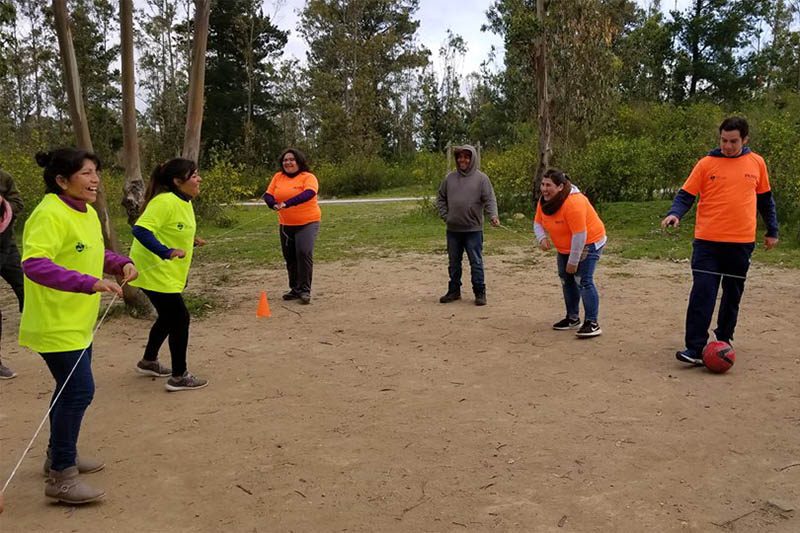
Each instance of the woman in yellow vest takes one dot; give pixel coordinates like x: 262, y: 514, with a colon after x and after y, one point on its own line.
x: 567, y: 221
x: 164, y: 237
x: 63, y: 259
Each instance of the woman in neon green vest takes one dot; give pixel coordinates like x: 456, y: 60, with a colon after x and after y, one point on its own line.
x: 63, y: 259
x: 164, y: 237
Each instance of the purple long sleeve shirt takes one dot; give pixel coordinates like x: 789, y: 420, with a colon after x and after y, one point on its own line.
x: 45, y: 272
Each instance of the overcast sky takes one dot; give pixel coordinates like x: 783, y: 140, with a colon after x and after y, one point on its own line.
x: 462, y: 17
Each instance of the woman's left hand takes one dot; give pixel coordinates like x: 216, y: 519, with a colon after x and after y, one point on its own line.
x: 199, y: 242
x: 571, y: 269
x: 129, y: 272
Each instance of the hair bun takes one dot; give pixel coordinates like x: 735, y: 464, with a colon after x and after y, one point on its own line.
x: 43, y: 159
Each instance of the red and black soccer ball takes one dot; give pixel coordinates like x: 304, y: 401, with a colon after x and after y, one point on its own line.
x: 718, y: 356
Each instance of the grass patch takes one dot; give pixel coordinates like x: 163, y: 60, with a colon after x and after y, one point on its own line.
x: 198, y: 305
x: 634, y: 232
x: 357, y: 231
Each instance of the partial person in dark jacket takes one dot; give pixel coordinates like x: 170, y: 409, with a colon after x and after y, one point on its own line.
x: 463, y: 197
x: 11, y: 207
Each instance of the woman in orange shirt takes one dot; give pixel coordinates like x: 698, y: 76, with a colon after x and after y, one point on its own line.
x: 292, y: 192
x: 566, y: 220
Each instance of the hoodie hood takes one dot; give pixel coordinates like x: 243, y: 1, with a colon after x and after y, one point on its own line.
x: 717, y: 152
x: 474, y: 163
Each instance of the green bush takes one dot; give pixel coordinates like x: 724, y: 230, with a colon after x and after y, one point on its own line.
x: 27, y: 175
x: 222, y: 184
x: 612, y: 169
x: 511, y: 172
x: 778, y: 141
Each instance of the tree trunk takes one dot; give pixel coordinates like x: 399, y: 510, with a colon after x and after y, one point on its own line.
x: 132, y: 296
x: 133, y: 191
x: 197, y: 80
x: 77, y: 112
x: 543, y: 100
x: 695, y: 47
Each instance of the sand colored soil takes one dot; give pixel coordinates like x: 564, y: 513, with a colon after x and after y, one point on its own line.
x: 376, y: 408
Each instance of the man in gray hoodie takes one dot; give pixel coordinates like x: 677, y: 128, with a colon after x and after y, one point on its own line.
x: 463, y: 197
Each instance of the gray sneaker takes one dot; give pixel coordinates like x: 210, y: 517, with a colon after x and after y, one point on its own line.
x: 6, y: 373
x: 153, y: 368
x: 185, y: 382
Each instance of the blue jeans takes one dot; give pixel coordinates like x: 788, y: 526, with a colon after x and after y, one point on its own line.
x: 719, y: 258
x: 67, y: 413
x: 580, y: 285
x: 457, y: 243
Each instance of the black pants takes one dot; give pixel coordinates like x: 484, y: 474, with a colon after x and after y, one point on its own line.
x: 11, y: 271
x: 297, y: 244
x: 714, y: 263
x: 173, y: 322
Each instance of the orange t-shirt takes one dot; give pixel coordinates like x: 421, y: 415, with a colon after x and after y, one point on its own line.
x: 727, y: 187
x: 576, y: 215
x: 282, y: 187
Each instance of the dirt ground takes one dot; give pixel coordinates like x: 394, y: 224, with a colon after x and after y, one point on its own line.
x: 378, y: 409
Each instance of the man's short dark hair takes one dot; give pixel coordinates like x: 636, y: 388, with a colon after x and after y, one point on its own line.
x: 735, y: 123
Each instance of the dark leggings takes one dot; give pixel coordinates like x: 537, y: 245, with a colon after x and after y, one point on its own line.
x: 297, y: 244
x: 11, y: 271
x: 173, y: 322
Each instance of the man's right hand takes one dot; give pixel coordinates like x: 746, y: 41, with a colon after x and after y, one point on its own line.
x: 670, y: 220
x: 177, y: 252
x: 544, y: 244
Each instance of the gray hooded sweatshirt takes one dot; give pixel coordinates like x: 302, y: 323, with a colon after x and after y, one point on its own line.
x: 463, y: 196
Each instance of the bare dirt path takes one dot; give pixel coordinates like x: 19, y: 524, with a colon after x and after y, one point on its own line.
x: 378, y: 409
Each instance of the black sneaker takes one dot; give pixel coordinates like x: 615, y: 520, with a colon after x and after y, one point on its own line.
x: 567, y: 323
x: 589, y: 329
x: 305, y: 298
x: 291, y: 295
x: 450, y: 297
x: 689, y: 357
x: 480, y: 298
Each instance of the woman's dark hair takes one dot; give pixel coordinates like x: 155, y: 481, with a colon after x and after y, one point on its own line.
x: 299, y: 157
x: 62, y: 162
x: 558, y: 177
x: 163, y: 176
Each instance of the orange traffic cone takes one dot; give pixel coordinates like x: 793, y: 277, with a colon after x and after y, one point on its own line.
x: 263, y: 306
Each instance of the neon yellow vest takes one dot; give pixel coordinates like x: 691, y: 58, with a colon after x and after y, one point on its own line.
x: 54, y: 320
x: 172, y: 221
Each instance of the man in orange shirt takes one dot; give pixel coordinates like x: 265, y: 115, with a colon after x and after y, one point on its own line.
x: 733, y: 184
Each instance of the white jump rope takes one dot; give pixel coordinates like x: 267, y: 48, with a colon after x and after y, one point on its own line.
x: 99, y: 323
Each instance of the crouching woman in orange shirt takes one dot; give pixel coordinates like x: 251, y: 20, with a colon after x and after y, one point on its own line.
x: 566, y: 220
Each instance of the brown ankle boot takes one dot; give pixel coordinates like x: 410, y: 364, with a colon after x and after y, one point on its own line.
x: 67, y: 487
x: 86, y: 465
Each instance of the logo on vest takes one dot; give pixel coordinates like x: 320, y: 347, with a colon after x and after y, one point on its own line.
x: 80, y: 247
x: 180, y: 226
x: 712, y: 177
